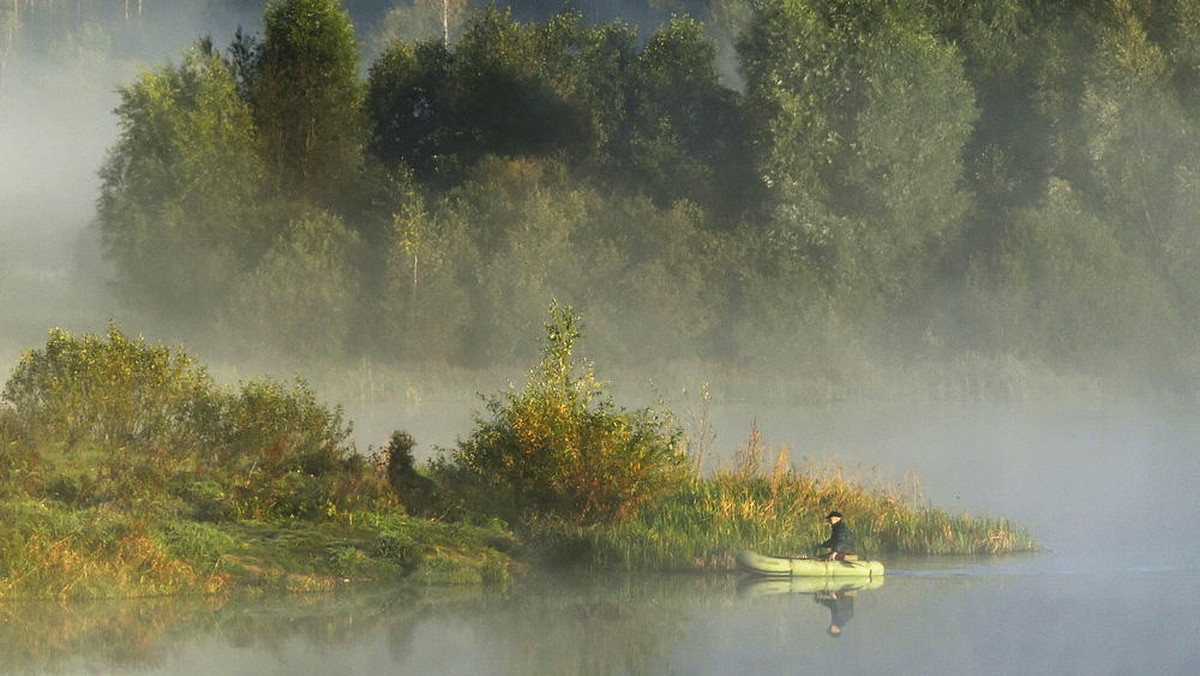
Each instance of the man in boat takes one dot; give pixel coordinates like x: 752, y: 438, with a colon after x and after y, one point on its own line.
x: 841, y: 539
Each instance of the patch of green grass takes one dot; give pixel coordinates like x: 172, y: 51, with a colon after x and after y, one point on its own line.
x: 48, y: 550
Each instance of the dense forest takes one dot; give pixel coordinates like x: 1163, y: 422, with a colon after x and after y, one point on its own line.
x: 813, y: 189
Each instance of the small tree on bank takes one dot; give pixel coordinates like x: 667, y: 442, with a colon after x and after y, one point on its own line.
x: 561, y: 448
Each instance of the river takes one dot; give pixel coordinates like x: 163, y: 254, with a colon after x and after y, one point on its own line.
x: 1005, y: 616
x: 1110, y: 489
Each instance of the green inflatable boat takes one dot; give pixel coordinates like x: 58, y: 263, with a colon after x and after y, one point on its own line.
x: 759, y: 564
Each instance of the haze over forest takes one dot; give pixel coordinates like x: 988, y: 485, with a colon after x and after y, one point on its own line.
x: 975, y: 196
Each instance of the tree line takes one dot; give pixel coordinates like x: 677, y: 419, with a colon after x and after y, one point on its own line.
x: 881, y: 181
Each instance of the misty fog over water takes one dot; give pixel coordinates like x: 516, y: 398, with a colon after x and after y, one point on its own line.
x: 1110, y: 489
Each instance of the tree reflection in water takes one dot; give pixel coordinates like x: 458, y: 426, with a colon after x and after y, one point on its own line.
x: 597, y: 624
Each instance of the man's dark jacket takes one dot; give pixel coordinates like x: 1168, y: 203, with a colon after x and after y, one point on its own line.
x: 841, y: 539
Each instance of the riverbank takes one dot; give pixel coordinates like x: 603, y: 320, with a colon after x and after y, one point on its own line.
x: 126, y: 471
x: 50, y: 550
x: 53, y: 551
x: 54, y: 546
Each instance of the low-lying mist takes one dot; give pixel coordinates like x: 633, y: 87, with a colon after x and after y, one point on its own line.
x: 58, y: 90
x: 54, y: 132
x: 1087, y: 475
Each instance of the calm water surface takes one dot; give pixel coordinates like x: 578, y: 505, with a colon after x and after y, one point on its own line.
x: 1111, y: 491
x: 997, y: 617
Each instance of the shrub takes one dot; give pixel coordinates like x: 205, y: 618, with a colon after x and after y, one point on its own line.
x: 561, y: 448
x: 270, y: 427
x: 415, y: 491
x: 111, y: 389
x: 146, y: 427
x: 208, y: 500
x: 15, y: 457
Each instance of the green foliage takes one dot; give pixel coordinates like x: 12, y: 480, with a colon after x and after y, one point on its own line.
x: 504, y: 85
x: 561, y: 448
x: 655, y: 121
x: 535, y: 234
x: 301, y: 297
x: 415, y: 491
x: 523, y: 214
x: 107, y: 389
x: 112, y: 420
x: 306, y: 95
x: 505, y: 90
x: 408, y: 104
x: 183, y: 181
x: 424, y: 307
x: 299, y: 432
x: 858, y: 171
x: 661, y: 268
x: 687, y: 136
x: 862, y: 195
x: 1058, y: 256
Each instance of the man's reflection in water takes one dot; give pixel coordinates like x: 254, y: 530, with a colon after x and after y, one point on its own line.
x: 839, y: 600
x: 841, y: 609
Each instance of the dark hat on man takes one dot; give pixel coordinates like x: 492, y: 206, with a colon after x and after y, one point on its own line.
x: 833, y: 514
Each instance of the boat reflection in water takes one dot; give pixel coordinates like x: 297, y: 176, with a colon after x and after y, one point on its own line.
x: 836, y: 594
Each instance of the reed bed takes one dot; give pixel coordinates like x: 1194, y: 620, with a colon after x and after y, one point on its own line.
x: 778, y: 508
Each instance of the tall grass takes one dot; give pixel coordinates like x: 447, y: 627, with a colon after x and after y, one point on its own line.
x: 49, y: 551
x: 764, y: 502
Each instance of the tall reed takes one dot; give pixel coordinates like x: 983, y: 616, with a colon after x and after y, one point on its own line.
x: 766, y: 503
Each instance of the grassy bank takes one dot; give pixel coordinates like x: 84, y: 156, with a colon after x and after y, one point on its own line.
x: 708, y: 521
x: 54, y: 551
x: 125, y: 471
